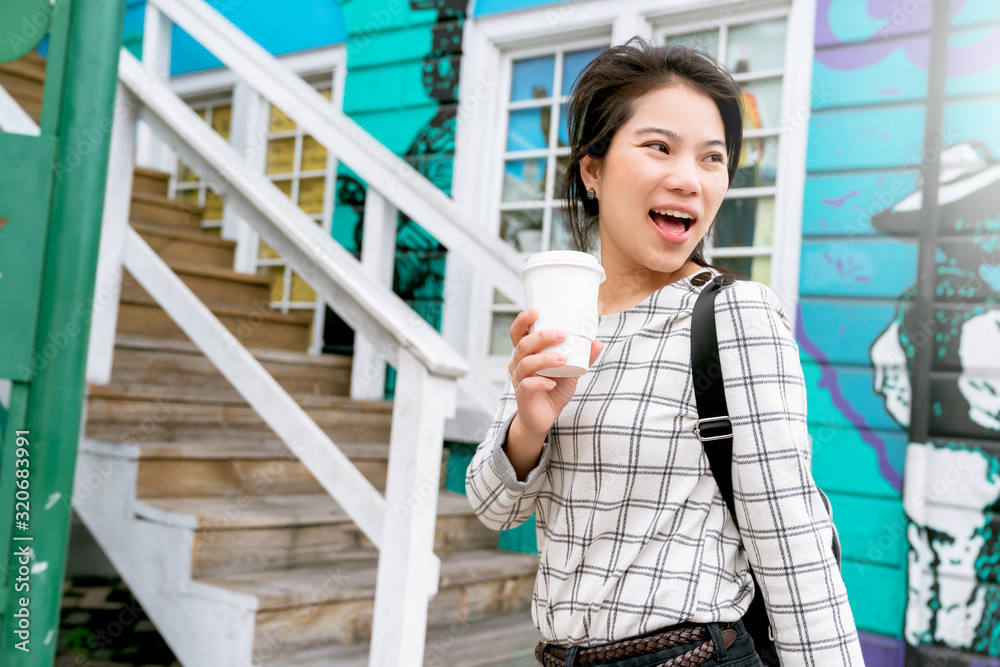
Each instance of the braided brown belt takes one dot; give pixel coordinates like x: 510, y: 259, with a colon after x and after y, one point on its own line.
x: 550, y: 655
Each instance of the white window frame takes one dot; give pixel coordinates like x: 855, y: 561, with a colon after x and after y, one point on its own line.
x: 484, y: 80
x: 249, y: 125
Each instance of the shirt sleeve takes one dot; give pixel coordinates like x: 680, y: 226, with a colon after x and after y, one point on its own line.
x: 786, y: 529
x: 498, y: 498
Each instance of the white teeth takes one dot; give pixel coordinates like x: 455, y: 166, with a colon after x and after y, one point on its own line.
x: 676, y: 214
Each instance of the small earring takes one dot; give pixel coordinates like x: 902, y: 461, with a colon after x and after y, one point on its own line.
x: 591, y: 194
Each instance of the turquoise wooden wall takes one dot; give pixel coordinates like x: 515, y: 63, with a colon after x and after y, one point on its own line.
x: 858, y: 338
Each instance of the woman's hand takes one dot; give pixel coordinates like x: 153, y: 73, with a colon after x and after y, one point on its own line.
x: 539, y: 399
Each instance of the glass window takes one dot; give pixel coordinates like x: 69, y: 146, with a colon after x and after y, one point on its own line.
x: 188, y: 185
x: 754, y: 53
x: 756, y: 47
x: 535, y: 159
x: 297, y: 164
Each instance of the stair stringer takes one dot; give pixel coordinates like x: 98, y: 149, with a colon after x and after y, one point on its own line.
x: 205, y: 626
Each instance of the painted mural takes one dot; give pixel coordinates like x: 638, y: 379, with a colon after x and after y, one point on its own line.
x: 921, y: 519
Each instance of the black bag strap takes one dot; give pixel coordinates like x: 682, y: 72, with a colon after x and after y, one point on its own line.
x: 715, y: 432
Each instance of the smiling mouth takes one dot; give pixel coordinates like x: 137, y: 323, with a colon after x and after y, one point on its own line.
x: 670, y: 223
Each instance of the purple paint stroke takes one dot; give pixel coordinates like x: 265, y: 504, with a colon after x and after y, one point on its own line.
x: 897, y: 19
x: 828, y: 380
x: 873, y: 49
x: 840, y: 201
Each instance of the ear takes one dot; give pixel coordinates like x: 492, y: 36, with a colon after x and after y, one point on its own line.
x: 590, y: 172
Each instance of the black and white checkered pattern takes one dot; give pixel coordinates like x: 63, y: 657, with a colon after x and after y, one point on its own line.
x: 633, y: 533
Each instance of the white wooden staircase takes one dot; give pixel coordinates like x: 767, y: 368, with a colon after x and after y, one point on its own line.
x: 216, y: 505
x: 232, y: 547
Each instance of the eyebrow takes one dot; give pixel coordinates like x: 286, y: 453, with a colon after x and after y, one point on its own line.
x: 673, y: 136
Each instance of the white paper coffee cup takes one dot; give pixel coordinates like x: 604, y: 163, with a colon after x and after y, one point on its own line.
x: 563, y: 286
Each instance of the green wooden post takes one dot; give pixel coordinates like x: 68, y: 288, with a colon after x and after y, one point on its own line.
x: 47, y: 400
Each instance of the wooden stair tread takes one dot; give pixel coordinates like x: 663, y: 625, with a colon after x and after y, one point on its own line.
x: 229, y: 311
x: 25, y: 69
x: 268, y: 511
x: 167, y: 202
x: 181, y: 234
x: 175, y: 395
x: 506, y: 640
x: 151, y: 173
x: 285, y: 589
x: 136, y: 342
x: 209, y: 271
x: 242, y: 449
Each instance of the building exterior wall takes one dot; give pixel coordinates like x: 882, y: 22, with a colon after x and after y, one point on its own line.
x: 906, y: 447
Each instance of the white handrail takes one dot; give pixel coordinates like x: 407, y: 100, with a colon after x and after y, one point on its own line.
x: 394, y: 178
x: 330, y: 466
x: 332, y: 271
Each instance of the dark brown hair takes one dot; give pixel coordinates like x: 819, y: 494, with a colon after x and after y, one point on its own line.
x: 604, y: 97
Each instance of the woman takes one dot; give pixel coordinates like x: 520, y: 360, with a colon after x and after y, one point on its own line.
x: 634, y: 536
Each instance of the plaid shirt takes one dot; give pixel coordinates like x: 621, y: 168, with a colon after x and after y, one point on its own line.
x: 632, y: 530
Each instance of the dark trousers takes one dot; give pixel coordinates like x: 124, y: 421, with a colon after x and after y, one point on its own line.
x: 740, y: 653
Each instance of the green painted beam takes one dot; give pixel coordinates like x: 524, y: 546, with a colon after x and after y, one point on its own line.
x: 78, y: 108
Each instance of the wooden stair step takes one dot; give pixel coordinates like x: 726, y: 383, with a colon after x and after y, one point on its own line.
x: 235, y: 468
x: 161, y: 210
x: 21, y: 85
x: 30, y: 66
x: 254, y: 533
x: 213, y: 285
x: 258, y: 327
x: 181, y: 244
x: 333, y: 603
x: 143, y: 393
x: 140, y: 360
x: 112, y: 417
x: 506, y: 640
x: 150, y: 181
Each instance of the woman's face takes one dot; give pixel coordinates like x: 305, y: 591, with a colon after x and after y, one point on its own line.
x: 661, y: 181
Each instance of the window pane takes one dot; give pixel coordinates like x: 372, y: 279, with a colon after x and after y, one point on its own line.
x: 755, y: 268
x: 706, y: 40
x: 311, y: 192
x: 574, y: 63
x: 522, y: 229
x: 763, y: 103
x: 265, y: 251
x: 563, y: 126
x: 744, y: 223
x: 500, y: 334
x: 313, y: 155
x: 279, y: 121
x: 756, y: 46
x: 220, y: 120
x: 498, y: 297
x: 185, y: 175
x: 532, y: 78
x: 277, y: 275
x: 528, y: 129
x: 300, y: 290
x: 561, y: 238
x: 213, y: 206
x: 188, y: 196
x: 524, y: 180
x: 280, y: 156
x: 758, y: 164
x: 285, y: 186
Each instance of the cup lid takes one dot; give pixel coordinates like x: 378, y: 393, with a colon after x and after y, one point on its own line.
x: 563, y: 258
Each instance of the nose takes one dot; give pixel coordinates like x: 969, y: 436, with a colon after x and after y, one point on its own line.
x: 682, y: 175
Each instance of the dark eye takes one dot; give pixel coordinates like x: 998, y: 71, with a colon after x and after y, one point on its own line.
x: 717, y: 157
x: 659, y: 146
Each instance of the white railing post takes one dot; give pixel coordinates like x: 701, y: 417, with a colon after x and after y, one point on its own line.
x: 408, y: 569
x: 378, y: 258
x: 114, y: 224
x: 151, y: 151
x: 248, y: 135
